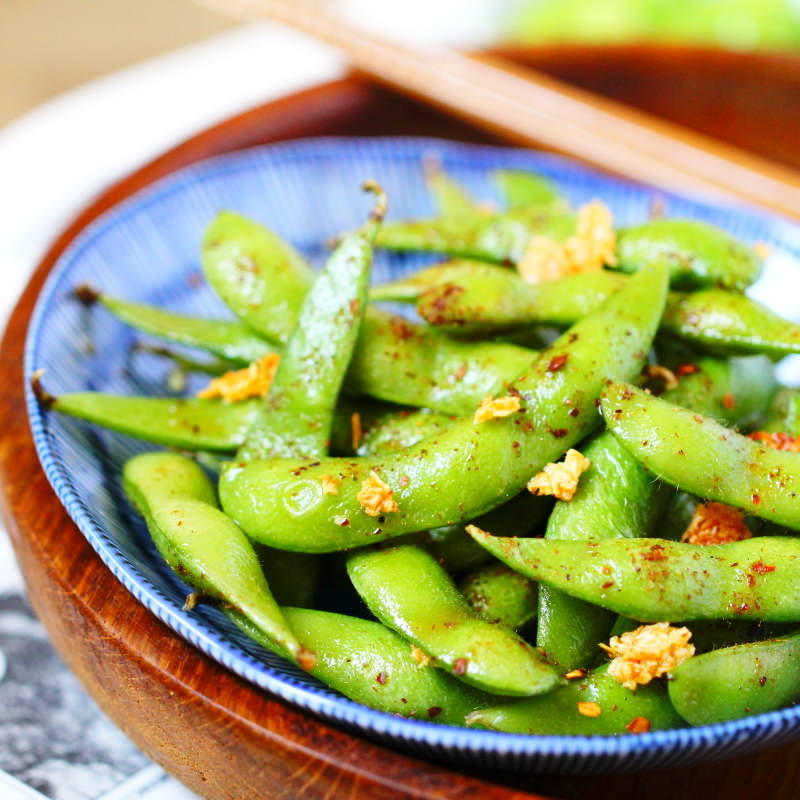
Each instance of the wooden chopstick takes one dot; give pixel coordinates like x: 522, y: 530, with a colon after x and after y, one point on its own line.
x: 529, y: 108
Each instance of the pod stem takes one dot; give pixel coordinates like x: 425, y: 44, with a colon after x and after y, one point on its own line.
x: 86, y: 294
x: 44, y: 398
x: 381, y: 201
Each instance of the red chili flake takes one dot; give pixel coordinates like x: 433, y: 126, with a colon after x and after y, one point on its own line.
x: 638, y: 725
x: 756, y: 499
x: 434, y: 711
x: 760, y: 568
x: 751, y: 580
x: 607, y: 585
x: 686, y: 369
x: 656, y: 553
x: 381, y: 678
x: 557, y: 362
x: 460, y: 372
x: 741, y: 609
x: 573, y: 412
x: 354, y: 305
x: 762, y: 680
x: 404, y: 480
x: 728, y: 400
x: 779, y: 441
x: 559, y: 433
x: 460, y: 666
x: 401, y: 329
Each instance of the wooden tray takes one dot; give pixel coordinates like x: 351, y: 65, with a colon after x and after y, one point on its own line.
x: 216, y: 733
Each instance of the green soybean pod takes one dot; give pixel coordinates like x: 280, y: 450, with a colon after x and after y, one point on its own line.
x: 497, y: 238
x: 227, y: 339
x: 696, y: 253
x: 234, y: 251
x: 704, y: 458
x: 186, y: 423
x: 374, y: 666
x: 202, y: 545
x: 469, y: 299
x: 783, y: 415
x: 408, y: 591
x: 395, y: 430
x: 522, y: 189
x: 739, y: 681
x: 431, y: 486
x: 452, y: 200
x: 500, y: 595
x: 654, y: 579
x: 557, y: 713
x: 296, y: 418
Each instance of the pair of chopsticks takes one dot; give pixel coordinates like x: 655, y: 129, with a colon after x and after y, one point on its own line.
x: 529, y: 108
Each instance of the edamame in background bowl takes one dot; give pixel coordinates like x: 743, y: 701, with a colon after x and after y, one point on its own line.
x: 486, y: 320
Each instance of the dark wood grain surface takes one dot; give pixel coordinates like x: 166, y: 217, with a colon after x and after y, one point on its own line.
x: 216, y: 733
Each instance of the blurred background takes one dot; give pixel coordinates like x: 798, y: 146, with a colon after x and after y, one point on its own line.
x: 52, y: 45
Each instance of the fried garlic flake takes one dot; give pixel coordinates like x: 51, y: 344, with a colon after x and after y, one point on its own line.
x: 330, y: 485
x: 241, y: 384
x: 648, y: 652
x: 589, y: 709
x: 560, y: 479
x: 593, y: 246
x: 421, y: 657
x: 544, y: 260
x: 490, y: 408
x: 716, y: 523
x: 376, y: 497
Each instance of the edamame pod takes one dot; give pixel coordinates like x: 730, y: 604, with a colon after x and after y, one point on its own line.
x: 452, y: 200
x: 295, y: 419
x: 737, y: 681
x: 696, y: 253
x: 235, y: 249
x: 465, y: 298
x: 784, y: 413
x: 186, y: 423
x: 470, y: 468
x: 557, y: 713
x: 500, y: 595
x: 522, y: 189
x: 374, y: 666
x: 498, y: 238
x: 654, y: 579
x: 702, y: 457
x: 408, y: 591
x: 227, y: 339
x: 202, y: 545
x: 396, y: 430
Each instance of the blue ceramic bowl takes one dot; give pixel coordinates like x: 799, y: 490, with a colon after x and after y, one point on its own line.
x: 146, y: 249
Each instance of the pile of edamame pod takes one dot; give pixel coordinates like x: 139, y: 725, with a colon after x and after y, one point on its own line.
x: 567, y: 499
